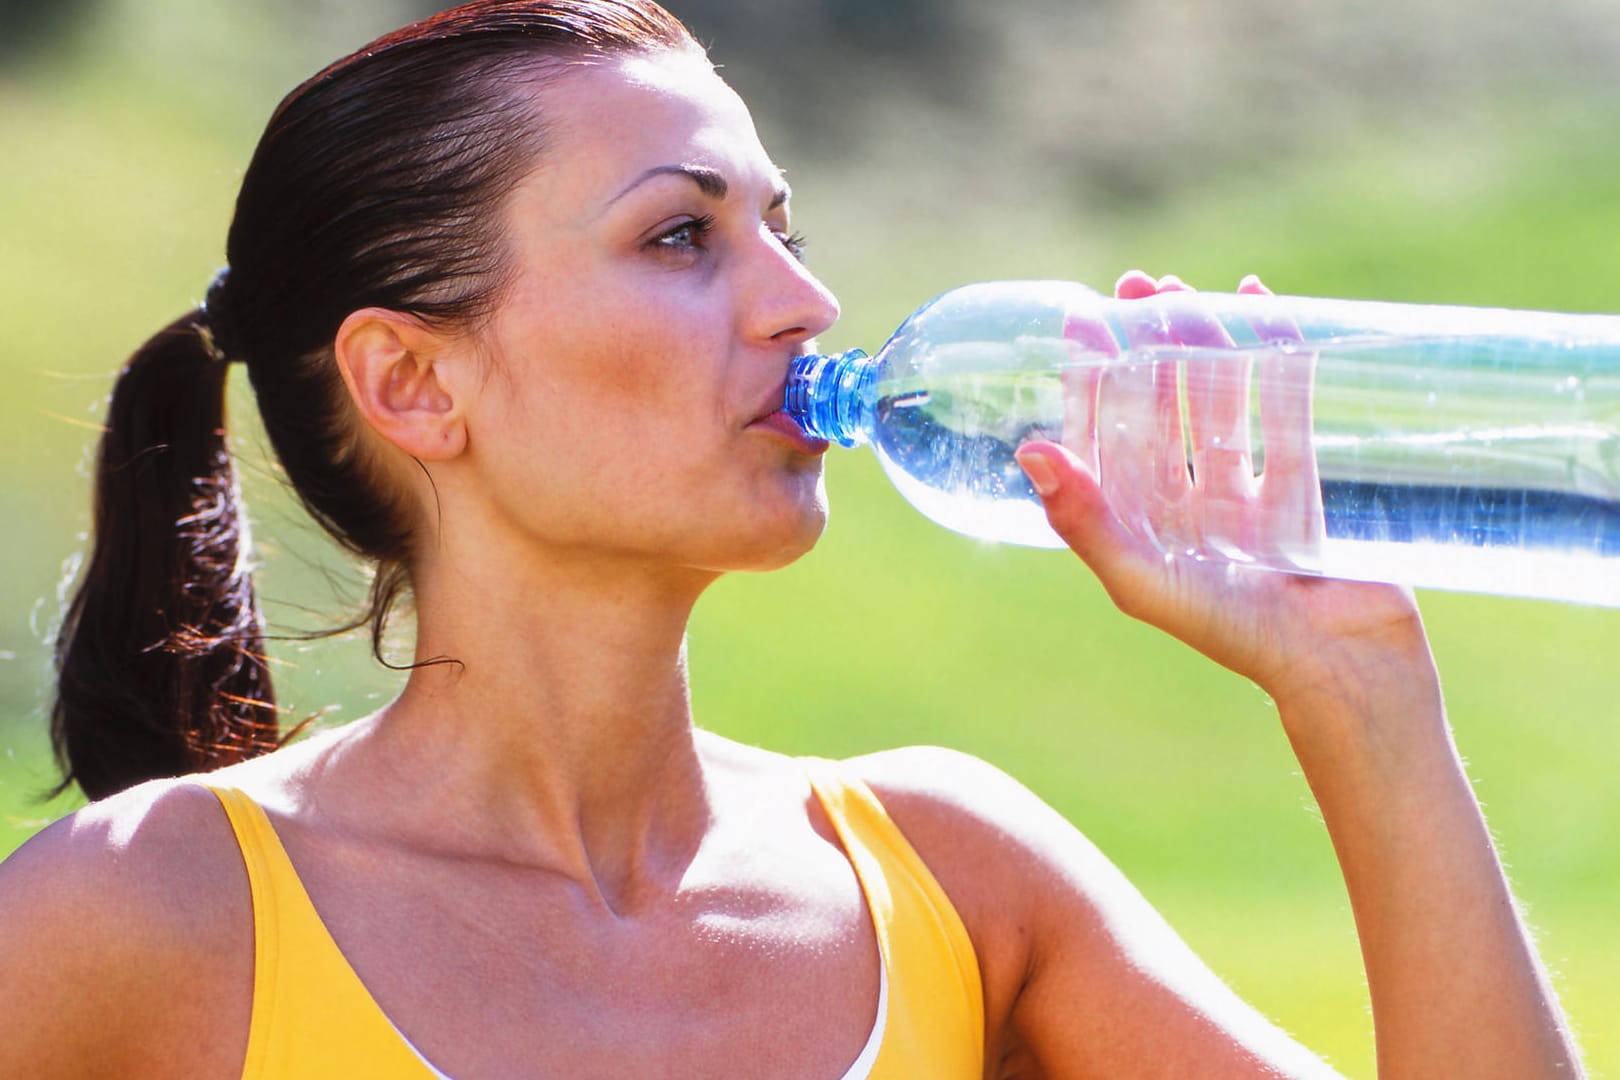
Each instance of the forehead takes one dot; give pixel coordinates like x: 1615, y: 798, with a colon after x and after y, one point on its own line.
x: 607, y: 123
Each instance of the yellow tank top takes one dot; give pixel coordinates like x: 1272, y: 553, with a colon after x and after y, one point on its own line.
x: 314, y: 1019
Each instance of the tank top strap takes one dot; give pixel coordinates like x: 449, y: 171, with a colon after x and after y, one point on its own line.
x: 312, y: 1016
x: 935, y: 1021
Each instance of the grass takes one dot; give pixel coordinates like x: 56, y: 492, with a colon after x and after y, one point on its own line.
x: 894, y: 631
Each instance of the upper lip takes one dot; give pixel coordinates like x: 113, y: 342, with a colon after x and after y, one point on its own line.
x: 776, y: 402
x: 769, y: 410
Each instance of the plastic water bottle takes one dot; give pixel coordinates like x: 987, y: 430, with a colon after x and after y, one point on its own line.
x: 1448, y: 447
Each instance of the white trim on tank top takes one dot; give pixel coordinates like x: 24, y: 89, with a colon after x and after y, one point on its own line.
x: 858, y: 1071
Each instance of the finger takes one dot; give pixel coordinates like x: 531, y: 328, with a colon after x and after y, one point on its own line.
x: 1091, y: 347
x: 1134, y: 285
x: 1081, y: 386
x: 1187, y: 320
x: 1088, y: 335
x: 1286, y: 374
x: 1218, y: 382
x: 1285, y: 390
x: 1271, y: 322
x: 1290, y: 456
x: 1080, y: 513
x: 1126, y: 443
x: 1143, y: 399
x: 1291, y: 484
x: 1291, y: 488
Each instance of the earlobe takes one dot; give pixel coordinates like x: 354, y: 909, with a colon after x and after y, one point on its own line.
x: 395, y: 369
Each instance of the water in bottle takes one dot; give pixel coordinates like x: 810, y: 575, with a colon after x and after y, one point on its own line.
x: 1449, y: 447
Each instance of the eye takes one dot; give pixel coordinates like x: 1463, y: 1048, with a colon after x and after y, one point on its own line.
x: 692, y: 234
x: 794, y: 242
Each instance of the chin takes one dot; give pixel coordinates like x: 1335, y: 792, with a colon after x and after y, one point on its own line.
x: 777, y: 540
x: 791, y: 552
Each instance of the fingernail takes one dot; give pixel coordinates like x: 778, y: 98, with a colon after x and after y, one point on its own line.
x: 1040, y: 472
x: 1134, y: 285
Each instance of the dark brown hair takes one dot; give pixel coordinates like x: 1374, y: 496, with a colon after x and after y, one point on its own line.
x: 378, y: 183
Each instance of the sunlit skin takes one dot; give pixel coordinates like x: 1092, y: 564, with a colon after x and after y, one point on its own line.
x: 538, y: 864
x: 647, y: 333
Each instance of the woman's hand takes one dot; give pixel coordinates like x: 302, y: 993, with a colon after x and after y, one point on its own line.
x: 1169, y: 542
x: 1456, y: 986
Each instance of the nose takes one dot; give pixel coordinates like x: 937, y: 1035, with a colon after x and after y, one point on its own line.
x: 790, y: 304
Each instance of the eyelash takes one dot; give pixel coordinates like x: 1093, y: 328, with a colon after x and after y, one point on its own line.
x: 795, y: 243
x: 702, y: 227
x: 699, y: 227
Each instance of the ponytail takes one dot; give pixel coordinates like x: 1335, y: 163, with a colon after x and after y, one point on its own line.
x: 379, y: 182
x: 160, y: 662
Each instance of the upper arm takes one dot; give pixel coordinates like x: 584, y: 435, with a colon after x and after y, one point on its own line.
x: 1082, y: 976
x: 115, y: 936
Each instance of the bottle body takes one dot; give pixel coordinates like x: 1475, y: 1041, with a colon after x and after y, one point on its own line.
x: 1449, y: 447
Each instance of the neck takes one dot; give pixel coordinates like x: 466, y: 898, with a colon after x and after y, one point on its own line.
x: 562, y: 730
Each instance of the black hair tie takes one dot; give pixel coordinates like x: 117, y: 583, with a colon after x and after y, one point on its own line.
x: 212, y: 326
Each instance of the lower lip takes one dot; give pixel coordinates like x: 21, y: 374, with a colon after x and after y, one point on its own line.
x: 782, y: 424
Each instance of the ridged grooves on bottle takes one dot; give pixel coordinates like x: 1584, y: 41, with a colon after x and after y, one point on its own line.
x: 1459, y: 448
x: 824, y: 395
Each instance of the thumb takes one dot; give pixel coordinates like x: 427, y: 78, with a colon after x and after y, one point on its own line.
x: 1076, y: 507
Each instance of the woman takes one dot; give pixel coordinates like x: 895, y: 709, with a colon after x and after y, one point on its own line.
x: 517, y: 294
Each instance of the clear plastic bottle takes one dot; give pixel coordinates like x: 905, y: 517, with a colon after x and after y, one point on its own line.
x: 1448, y: 447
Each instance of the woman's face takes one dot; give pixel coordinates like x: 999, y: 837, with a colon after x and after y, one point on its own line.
x: 641, y: 351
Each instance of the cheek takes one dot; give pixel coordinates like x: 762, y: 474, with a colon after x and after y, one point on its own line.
x: 604, y: 406
x: 606, y: 362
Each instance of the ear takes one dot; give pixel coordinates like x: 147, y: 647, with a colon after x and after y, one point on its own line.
x: 396, y: 369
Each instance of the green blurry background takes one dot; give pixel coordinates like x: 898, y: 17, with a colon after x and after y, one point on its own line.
x: 1425, y: 151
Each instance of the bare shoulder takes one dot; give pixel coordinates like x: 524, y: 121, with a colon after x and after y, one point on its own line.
x: 1082, y: 976
x: 1001, y: 854
x: 986, y: 835
x: 958, y: 806
x: 118, y: 920
x: 154, y: 852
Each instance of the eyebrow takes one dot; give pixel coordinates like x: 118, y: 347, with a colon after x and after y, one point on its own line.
x: 709, y: 181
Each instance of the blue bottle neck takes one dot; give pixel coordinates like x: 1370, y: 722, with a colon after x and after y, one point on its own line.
x: 828, y: 396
